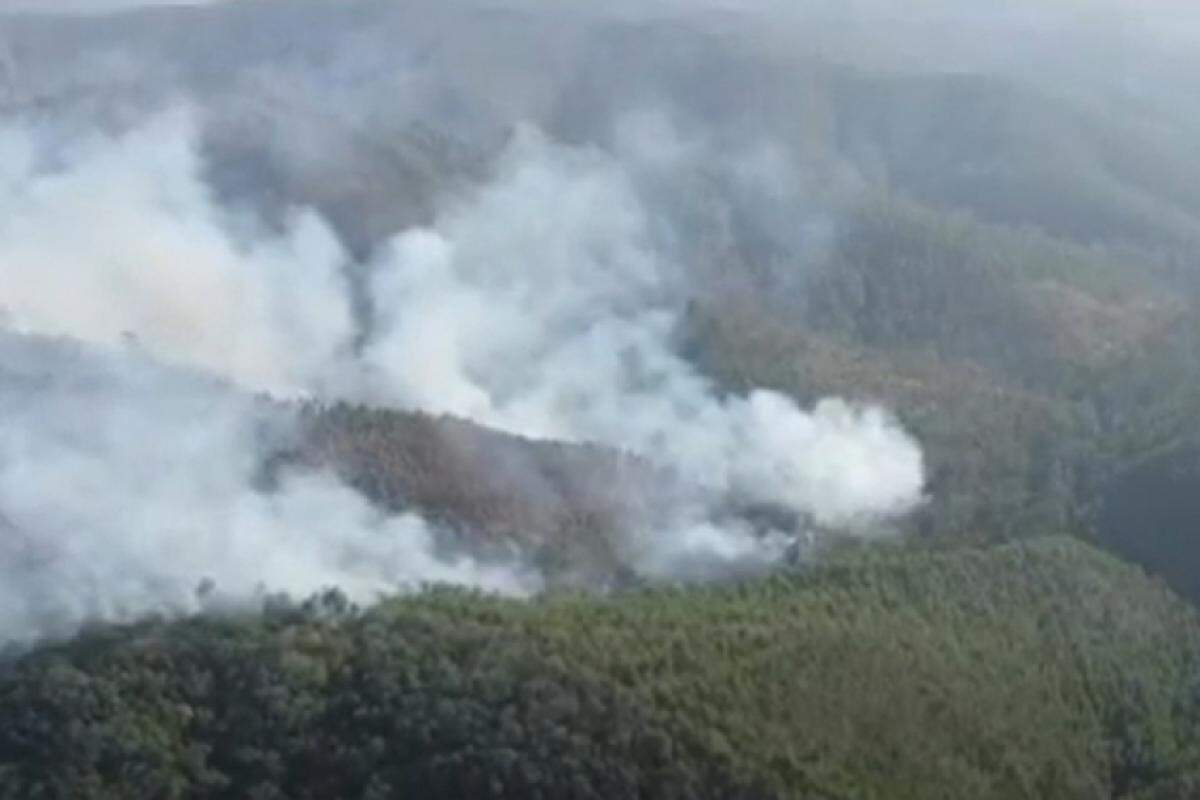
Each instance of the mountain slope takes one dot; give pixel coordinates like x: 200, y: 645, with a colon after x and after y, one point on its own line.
x: 1044, y: 670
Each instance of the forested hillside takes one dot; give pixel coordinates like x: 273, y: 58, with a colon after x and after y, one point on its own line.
x: 1004, y: 257
x: 517, y: 399
x: 1033, y: 368
x: 565, y: 504
x: 1038, y: 670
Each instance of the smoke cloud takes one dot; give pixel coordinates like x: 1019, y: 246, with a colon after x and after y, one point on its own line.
x: 127, y: 485
x: 545, y: 307
x: 116, y: 238
x: 143, y: 306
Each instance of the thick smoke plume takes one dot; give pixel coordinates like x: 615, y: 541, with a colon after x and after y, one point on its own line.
x: 112, y: 239
x: 149, y: 305
x: 545, y: 306
x: 127, y: 486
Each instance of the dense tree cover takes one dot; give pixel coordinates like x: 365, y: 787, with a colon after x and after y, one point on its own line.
x: 1040, y: 670
x: 1039, y: 375
x: 1150, y: 516
x: 562, y: 503
x: 1036, y: 371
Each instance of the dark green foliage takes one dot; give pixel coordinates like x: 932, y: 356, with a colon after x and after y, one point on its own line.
x: 1151, y: 514
x: 1045, y: 670
x: 1033, y: 370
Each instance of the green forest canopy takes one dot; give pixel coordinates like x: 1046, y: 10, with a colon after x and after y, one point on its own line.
x: 1044, y: 669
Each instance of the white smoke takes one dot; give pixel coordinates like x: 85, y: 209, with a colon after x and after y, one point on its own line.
x: 544, y: 303
x: 126, y: 485
x: 113, y: 237
x: 543, y: 306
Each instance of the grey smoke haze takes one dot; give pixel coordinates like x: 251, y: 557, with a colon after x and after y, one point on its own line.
x: 493, y: 210
x: 542, y: 303
x: 544, y: 306
x: 126, y: 485
x: 150, y: 256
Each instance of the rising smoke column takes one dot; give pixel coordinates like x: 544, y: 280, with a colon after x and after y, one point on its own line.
x: 116, y: 237
x: 126, y: 485
x: 131, y: 448
x: 543, y: 302
x: 544, y: 305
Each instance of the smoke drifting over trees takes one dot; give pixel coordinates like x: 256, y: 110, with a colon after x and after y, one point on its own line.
x: 160, y: 269
x: 568, y: 224
x: 865, y: 320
